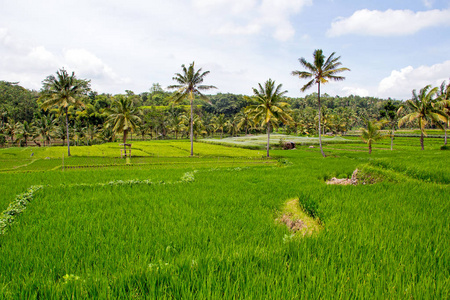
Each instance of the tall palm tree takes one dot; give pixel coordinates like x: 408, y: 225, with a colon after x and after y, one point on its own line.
x: 176, y: 124
x: 63, y: 91
x: 372, y: 133
x: 123, y: 117
x: 425, y: 110
x: 321, y: 71
x: 269, y: 108
x: 189, y: 85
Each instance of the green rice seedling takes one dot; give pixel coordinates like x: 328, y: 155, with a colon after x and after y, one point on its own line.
x: 161, y: 230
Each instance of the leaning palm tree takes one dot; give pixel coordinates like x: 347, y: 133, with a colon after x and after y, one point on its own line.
x: 270, y: 108
x: 123, y: 117
x: 321, y: 71
x: 372, y: 133
x: 425, y: 110
x: 63, y: 91
x: 190, y: 85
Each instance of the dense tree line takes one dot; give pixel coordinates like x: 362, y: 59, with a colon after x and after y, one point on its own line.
x: 88, y: 118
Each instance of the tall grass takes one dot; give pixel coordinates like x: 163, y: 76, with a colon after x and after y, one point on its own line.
x: 217, y: 237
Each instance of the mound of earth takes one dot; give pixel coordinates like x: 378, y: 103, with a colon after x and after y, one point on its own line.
x: 292, y: 224
x: 345, y: 181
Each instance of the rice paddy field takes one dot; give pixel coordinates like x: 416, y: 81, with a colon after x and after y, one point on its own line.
x: 167, y: 226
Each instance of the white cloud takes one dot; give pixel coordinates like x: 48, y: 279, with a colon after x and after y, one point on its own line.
x: 30, y: 64
x: 388, y: 23
x: 355, y: 91
x: 401, y: 83
x: 247, y: 17
x: 89, y: 65
x: 233, y: 29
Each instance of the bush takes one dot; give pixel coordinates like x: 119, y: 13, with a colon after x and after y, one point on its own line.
x: 445, y: 147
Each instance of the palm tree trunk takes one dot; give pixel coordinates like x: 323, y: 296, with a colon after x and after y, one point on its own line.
x: 370, y: 148
x: 268, y: 138
x: 192, y: 125
x: 392, y: 138
x: 124, y: 142
x: 445, y: 137
x: 320, y: 113
x: 67, y: 132
x: 421, y: 139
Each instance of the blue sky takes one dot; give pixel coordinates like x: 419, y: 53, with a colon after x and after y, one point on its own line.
x: 391, y: 47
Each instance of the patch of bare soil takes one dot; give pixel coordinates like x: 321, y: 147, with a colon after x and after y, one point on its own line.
x: 293, y: 224
x: 345, y: 181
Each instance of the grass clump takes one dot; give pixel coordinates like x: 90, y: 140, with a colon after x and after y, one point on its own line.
x: 298, y: 220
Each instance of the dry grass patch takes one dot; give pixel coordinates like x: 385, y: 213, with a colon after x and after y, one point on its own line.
x: 297, y: 220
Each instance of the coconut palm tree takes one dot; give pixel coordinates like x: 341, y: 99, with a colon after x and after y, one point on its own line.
x: 321, y: 71
x: 123, y: 117
x: 176, y: 124
x: 425, y: 110
x: 11, y: 129
x: 372, y: 133
x: 269, y: 108
x: 25, y: 131
x: 232, y: 125
x: 63, y: 91
x: 189, y: 85
x: 45, y: 126
x: 220, y: 122
x: 243, y: 120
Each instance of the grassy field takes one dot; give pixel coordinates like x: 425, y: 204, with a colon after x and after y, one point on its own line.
x: 170, y: 226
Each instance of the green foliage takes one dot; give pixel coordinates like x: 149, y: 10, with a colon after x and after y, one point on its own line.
x: 18, y: 103
x: 211, y: 233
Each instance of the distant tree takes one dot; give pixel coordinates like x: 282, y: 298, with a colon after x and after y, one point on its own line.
x: 321, y: 71
x: 17, y: 102
x: 232, y: 125
x: 25, y: 131
x: 45, y: 126
x: 176, y: 124
x: 64, y: 91
x: 243, y: 120
x: 11, y: 129
x: 425, y: 110
x: 220, y: 122
x: 389, y: 112
x: 107, y: 134
x: 123, y: 117
x: 372, y: 134
x: 189, y: 85
x: 269, y: 108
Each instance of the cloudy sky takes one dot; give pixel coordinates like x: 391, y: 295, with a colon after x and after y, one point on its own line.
x: 391, y: 46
